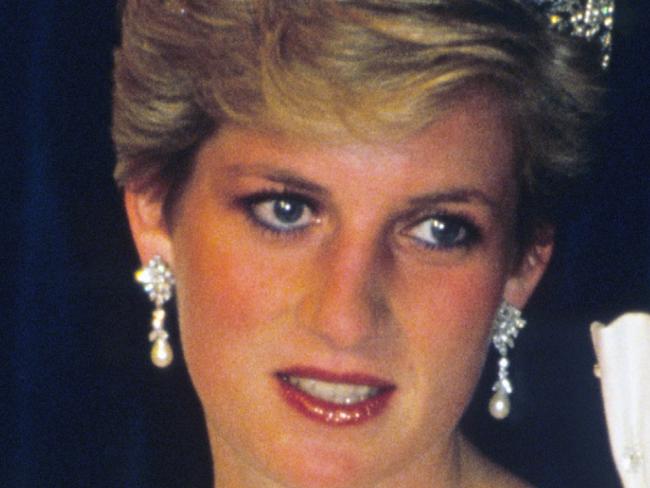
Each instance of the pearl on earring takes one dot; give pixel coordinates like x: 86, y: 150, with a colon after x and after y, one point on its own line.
x: 506, y: 327
x: 158, y: 281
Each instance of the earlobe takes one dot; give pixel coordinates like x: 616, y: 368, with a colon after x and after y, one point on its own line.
x: 148, y: 228
x: 529, y: 272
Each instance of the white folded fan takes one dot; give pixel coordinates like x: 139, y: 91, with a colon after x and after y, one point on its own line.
x: 623, y: 353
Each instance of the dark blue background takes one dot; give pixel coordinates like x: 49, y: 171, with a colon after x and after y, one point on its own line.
x: 80, y: 406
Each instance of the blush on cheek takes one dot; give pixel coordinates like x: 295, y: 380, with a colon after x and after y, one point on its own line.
x: 447, y: 318
x: 228, y: 294
x: 449, y: 304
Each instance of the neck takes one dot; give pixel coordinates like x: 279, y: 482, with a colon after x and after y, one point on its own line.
x: 451, y: 466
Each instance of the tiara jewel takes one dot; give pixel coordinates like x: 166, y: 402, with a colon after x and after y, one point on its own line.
x: 589, y: 19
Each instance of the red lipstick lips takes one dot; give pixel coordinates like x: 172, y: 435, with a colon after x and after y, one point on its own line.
x: 343, y: 399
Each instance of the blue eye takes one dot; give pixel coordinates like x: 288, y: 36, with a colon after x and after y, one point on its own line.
x: 444, y: 232
x: 281, y: 213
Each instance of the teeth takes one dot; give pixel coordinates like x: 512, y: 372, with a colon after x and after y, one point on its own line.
x: 339, y: 393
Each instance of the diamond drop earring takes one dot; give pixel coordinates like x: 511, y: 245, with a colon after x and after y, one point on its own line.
x: 157, y: 280
x: 506, y: 327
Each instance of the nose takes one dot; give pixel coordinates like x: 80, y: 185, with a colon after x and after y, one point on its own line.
x: 348, y: 305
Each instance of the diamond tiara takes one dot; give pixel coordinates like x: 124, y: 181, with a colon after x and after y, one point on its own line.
x: 589, y: 19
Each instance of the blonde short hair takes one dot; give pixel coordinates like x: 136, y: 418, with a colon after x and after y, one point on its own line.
x: 346, y: 68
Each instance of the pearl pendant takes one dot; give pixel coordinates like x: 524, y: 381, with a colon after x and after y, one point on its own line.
x: 499, y: 405
x: 161, y: 353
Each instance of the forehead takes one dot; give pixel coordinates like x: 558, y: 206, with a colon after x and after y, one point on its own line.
x: 473, y: 136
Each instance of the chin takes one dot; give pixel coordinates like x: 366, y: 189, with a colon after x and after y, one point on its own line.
x: 328, y: 469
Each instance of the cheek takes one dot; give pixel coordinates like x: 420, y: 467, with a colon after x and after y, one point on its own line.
x: 464, y: 305
x: 447, y: 315
x: 455, y: 300
x: 229, y: 294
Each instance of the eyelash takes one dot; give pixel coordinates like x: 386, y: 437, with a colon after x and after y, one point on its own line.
x: 250, y: 203
x: 466, y: 224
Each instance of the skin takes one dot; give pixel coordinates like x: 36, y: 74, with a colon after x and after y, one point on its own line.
x: 355, y: 290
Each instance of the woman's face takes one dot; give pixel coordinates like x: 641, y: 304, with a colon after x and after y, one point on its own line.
x: 335, y: 301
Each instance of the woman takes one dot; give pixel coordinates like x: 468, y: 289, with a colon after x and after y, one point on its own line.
x: 347, y: 193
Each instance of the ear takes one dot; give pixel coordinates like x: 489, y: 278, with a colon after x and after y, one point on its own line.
x: 530, y: 269
x: 148, y: 227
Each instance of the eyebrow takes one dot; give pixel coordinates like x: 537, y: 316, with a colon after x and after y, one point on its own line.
x: 285, y: 177
x: 290, y: 179
x: 456, y: 195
